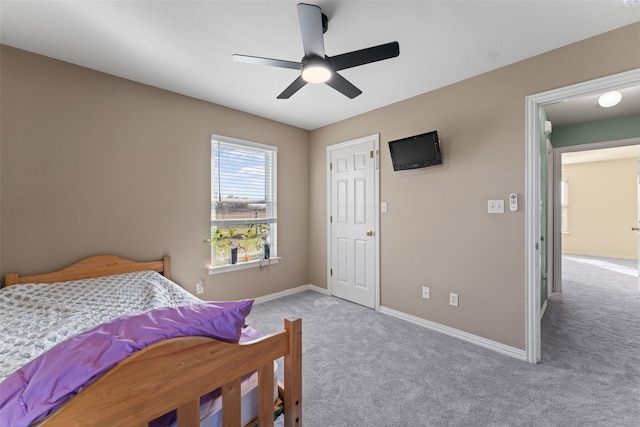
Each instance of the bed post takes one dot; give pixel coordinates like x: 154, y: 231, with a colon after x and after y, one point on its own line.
x: 11, y: 279
x: 293, y: 374
x: 166, y: 267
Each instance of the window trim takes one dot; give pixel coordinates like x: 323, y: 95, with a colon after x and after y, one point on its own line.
x: 271, y: 175
x: 225, y: 268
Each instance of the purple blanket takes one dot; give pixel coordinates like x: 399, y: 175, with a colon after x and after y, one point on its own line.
x: 51, y: 379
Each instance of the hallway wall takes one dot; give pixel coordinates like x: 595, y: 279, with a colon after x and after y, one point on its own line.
x: 602, y: 200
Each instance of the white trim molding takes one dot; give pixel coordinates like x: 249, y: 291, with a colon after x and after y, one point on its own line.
x: 218, y: 269
x: 291, y: 291
x: 456, y: 333
x: 543, y: 309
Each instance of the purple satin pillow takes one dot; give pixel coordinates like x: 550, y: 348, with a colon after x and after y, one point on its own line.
x: 58, y: 374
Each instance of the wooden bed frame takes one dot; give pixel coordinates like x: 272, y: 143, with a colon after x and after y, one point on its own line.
x: 97, y: 266
x: 174, y: 373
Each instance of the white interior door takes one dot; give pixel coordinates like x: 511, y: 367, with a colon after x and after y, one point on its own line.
x: 353, y: 221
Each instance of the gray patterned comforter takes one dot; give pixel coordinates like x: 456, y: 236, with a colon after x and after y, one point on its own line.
x: 35, y: 317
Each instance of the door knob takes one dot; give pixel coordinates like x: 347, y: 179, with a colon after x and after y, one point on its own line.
x: 370, y: 233
x: 635, y: 229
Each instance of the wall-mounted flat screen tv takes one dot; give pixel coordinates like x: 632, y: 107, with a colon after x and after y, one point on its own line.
x: 415, y: 152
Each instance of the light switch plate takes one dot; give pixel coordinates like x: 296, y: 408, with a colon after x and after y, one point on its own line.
x: 495, y: 206
x: 453, y: 299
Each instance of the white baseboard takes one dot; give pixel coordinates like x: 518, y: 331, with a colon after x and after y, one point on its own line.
x: 456, y: 333
x: 543, y: 309
x: 291, y: 291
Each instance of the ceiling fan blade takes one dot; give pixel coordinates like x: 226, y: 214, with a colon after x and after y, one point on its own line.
x: 292, y: 88
x: 364, y: 56
x: 343, y: 86
x: 310, y: 17
x: 267, y: 61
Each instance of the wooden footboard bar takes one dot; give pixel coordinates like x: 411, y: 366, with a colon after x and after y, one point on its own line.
x: 173, y: 374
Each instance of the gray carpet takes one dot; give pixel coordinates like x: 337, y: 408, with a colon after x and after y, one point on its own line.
x: 362, y: 368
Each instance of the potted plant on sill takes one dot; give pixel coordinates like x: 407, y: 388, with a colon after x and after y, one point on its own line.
x: 261, y: 233
x: 233, y: 250
x: 234, y: 238
x: 225, y: 241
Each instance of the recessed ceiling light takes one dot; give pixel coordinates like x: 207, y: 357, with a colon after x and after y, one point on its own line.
x: 609, y: 99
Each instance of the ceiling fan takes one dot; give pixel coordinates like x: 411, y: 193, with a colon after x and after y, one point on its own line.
x: 316, y: 67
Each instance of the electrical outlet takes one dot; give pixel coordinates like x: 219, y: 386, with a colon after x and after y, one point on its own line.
x: 425, y: 292
x: 200, y: 287
x: 453, y: 299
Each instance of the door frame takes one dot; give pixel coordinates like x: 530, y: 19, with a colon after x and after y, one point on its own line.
x: 551, y: 220
x: 533, y: 129
x: 375, y: 138
x: 557, y: 211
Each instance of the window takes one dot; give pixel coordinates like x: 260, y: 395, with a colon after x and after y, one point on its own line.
x: 243, y: 202
x: 564, y: 205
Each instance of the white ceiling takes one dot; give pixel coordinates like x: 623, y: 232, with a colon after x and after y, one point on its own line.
x: 186, y: 46
x: 585, y: 108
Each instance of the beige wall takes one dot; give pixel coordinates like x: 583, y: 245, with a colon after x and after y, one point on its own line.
x: 602, y: 208
x: 437, y: 231
x: 93, y: 163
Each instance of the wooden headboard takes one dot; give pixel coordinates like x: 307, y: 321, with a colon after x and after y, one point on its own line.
x: 97, y: 266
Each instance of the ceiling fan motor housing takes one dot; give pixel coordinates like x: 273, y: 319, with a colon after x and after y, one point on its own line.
x: 315, y: 69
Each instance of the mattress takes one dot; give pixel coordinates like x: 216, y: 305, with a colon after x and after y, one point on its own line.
x: 36, y: 316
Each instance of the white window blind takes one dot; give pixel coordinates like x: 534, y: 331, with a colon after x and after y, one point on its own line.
x: 243, y: 201
x: 243, y: 188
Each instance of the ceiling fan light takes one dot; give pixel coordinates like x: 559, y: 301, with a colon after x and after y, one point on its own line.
x: 316, y: 74
x: 609, y: 99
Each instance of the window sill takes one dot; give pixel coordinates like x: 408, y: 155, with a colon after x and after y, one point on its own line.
x: 218, y: 269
